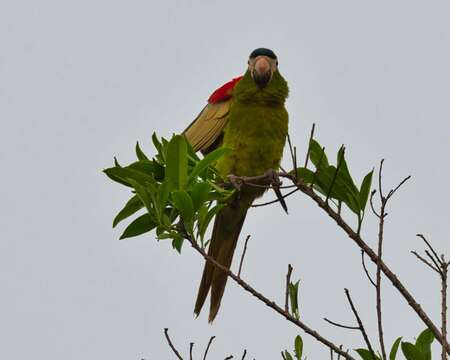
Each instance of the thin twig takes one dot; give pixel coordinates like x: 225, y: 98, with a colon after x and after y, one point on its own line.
x: 229, y: 357
x: 191, y: 346
x: 268, y: 302
x: 288, y: 282
x: 306, y: 189
x: 293, y: 157
x: 243, y: 255
x: 175, y: 351
x: 361, y: 326
x: 392, y: 192
x: 371, y: 203
x: 379, y: 258
x: 431, y: 266
x: 430, y: 247
x: 243, y: 355
x: 444, y: 273
x: 437, y: 264
x: 311, y: 136
x: 341, y: 325
x: 207, y: 347
x: 365, y: 269
x: 276, y: 200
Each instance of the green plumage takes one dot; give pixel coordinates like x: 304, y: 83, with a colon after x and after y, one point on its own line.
x: 256, y: 130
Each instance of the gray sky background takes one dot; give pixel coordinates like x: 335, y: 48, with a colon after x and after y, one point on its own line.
x: 81, y: 81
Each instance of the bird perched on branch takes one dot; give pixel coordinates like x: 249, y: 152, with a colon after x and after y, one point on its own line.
x: 247, y: 115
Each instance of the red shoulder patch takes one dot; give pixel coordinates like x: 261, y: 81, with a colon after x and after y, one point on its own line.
x: 224, y: 92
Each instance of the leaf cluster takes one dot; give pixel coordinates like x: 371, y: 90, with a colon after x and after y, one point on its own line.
x: 335, y: 181
x: 421, y: 350
x: 178, y: 191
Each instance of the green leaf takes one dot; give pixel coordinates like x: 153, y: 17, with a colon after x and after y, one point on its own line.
x: 142, y: 193
x: 183, y: 203
x: 141, y: 225
x: 298, y: 347
x: 199, y: 194
x: 423, y: 343
x: 293, y: 295
x: 176, y: 168
x: 306, y: 175
x: 140, y: 172
x: 366, y: 354
x: 203, y: 226
x: 344, y: 171
x: 133, y: 205
x: 317, y: 154
x: 364, y: 190
x: 410, y: 351
x: 287, y: 355
x: 207, y: 161
x: 394, y: 348
x: 163, y: 195
x: 177, y: 242
x: 139, y: 153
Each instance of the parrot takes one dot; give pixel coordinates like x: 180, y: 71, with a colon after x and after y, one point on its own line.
x: 247, y: 115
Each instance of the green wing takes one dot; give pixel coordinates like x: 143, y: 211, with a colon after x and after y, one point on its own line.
x: 206, y: 131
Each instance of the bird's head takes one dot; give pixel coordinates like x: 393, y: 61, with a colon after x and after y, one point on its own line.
x: 262, y: 63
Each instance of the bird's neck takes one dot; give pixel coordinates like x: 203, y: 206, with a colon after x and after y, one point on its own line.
x: 275, y: 93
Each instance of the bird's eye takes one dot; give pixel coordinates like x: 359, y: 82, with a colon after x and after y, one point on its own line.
x: 277, y: 62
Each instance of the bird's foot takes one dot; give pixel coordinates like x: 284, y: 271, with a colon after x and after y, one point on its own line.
x: 236, y: 181
x: 273, y: 178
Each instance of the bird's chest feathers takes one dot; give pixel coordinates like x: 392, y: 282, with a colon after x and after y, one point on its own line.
x: 257, y: 134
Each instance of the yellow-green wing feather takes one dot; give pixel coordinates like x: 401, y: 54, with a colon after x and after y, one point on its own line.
x: 208, y: 126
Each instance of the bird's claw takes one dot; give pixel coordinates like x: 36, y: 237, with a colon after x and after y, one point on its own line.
x: 235, y: 181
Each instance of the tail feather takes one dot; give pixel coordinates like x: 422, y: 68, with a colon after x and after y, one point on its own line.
x: 227, y: 227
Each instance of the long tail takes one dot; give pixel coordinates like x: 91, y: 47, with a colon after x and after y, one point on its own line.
x: 227, y: 226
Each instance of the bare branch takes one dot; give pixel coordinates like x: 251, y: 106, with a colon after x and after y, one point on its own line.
x: 175, y: 351
x: 341, y: 326
x: 243, y: 355
x: 243, y: 255
x: 191, y: 346
x: 268, y: 302
x: 392, y: 192
x: 276, y: 200
x: 430, y: 247
x: 207, y: 347
x: 371, y: 203
x: 431, y: 266
x: 361, y: 326
x: 229, y: 357
x: 365, y: 269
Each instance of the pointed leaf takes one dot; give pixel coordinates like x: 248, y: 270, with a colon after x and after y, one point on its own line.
x: 139, y: 153
x: 177, y: 242
x: 141, y: 225
x: 199, y: 194
x: 394, y: 349
x: 423, y: 343
x: 207, y: 161
x: 133, y: 205
x: 298, y: 347
x: 366, y: 354
x: 410, y: 352
x: 183, y: 203
x: 317, y: 154
x: 176, y: 168
x: 287, y: 355
x: 364, y: 190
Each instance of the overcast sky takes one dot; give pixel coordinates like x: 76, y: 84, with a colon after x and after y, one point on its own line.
x: 81, y: 81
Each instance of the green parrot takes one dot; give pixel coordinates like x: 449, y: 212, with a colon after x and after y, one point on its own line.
x: 248, y: 115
